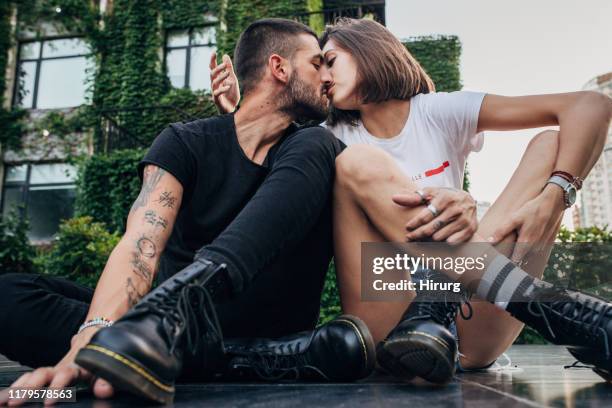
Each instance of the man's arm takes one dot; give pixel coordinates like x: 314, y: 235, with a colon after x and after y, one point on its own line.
x: 127, y: 277
x: 132, y: 265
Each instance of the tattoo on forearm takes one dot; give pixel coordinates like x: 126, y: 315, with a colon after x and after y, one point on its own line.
x: 151, y: 177
x: 133, y: 294
x: 152, y: 218
x: 141, y: 268
x: 146, y: 247
x: 166, y: 199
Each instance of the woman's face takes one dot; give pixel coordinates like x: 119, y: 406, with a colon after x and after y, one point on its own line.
x: 339, y: 76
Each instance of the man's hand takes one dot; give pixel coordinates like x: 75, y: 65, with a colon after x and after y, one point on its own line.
x: 64, y: 374
x: 455, y: 223
x: 532, y: 222
x: 224, y: 84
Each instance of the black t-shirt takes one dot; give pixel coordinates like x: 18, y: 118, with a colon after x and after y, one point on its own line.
x: 217, y: 178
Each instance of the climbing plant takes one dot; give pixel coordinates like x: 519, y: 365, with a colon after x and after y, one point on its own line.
x: 10, y: 119
x: 440, y: 57
x: 238, y: 14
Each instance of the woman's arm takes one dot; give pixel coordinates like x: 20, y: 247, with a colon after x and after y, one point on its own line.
x: 583, y: 119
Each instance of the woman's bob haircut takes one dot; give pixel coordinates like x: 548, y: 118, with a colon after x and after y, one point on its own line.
x: 385, y: 68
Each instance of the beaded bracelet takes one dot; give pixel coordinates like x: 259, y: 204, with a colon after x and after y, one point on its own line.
x: 97, y: 321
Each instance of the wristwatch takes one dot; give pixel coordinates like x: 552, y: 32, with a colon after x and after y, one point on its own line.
x: 569, y: 190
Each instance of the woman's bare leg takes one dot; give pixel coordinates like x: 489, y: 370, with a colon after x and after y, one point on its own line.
x: 526, y: 183
x: 352, y: 226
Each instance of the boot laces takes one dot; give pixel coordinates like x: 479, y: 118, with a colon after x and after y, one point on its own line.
x: 190, y: 314
x: 444, y: 308
x: 586, y: 317
x: 271, y: 366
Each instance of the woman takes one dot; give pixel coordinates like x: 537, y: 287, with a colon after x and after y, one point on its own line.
x: 383, y: 106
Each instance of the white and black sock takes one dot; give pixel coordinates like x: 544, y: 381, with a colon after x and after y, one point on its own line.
x: 503, y: 281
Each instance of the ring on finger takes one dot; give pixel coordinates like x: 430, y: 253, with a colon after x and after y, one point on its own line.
x: 439, y: 224
x: 421, y: 194
x: 433, y: 209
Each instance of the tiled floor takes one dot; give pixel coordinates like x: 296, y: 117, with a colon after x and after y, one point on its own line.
x: 536, y: 378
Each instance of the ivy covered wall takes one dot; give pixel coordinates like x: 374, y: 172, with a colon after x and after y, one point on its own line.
x: 440, y: 56
x: 10, y: 119
x: 236, y: 15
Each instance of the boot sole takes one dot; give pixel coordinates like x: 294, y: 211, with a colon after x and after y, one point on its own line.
x: 419, y: 354
x: 124, y: 373
x: 604, y: 373
x: 367, y: 342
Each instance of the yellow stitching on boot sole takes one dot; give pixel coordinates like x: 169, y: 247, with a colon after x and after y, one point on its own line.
x: 434, y: 338
x: 365, y: 349
x: 132, y: 365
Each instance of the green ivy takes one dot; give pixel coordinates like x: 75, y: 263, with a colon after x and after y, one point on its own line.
x: 130, y: 72
x: 316, y: 19
x: 330, y: 298
x: 187, y: 14
x: 238, y: 14
x: 107, y: 185
x: 440, y: 57
x: 11, y: 125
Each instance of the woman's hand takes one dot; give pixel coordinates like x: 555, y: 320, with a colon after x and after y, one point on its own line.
x: 455, y: 223
x: 224, y: 84
x: 532, y: 222
x: 63, y: 374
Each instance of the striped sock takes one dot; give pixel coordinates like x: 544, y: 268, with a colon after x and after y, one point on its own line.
x: 503, y: 280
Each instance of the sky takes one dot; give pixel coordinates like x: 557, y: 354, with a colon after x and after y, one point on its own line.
x: 518, y: 47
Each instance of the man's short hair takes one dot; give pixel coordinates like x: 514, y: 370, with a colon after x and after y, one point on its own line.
x: 260, y: 40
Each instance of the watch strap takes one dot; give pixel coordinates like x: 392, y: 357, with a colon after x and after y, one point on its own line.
x: 576, y: 181
x: 564, y: 184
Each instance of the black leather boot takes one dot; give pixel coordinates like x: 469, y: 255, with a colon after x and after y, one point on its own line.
x: 422, y: 344
x: 340, y: 350
x: 568, y: 317
x: 143, y: 352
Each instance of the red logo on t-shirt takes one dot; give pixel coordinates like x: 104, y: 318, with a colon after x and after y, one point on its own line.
x: 437, y: 170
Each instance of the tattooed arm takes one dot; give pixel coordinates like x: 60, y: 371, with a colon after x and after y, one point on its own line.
x: 126, y: 278
x: 132, y: 265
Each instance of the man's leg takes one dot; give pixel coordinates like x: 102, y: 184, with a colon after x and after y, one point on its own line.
x: 38, y: 317
x: 526, y: 183
x: 285, y: 296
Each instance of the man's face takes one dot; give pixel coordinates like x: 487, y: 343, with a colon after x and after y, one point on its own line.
x: 304, y: 96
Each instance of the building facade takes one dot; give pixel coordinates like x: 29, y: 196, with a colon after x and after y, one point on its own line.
x: 596, y: 193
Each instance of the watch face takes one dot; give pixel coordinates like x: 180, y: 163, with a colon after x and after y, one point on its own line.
x: 571, y: 195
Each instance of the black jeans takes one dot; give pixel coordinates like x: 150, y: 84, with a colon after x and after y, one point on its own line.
x: 277, y: 250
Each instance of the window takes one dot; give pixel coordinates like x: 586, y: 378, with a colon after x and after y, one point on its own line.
x: 188, y: 55
x: 52, y: 73
x: 47, y: 192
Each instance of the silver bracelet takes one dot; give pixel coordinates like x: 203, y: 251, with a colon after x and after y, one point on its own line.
x: 98, y: 321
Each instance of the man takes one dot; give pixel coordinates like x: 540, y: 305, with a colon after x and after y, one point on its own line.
x: 247, y: 195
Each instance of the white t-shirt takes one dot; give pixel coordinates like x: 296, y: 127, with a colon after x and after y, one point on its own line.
x: 436, y: 140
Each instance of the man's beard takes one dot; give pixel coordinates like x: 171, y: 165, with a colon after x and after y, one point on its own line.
x: 302, y: 101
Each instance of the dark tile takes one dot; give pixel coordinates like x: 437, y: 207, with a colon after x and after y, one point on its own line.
x: 536, y: 378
